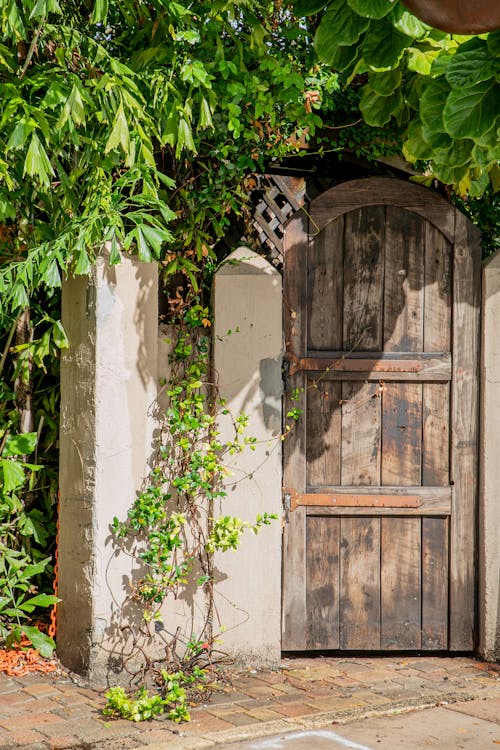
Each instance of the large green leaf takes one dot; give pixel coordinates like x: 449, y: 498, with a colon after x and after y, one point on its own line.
x: 340, y: 26
x: 470, y: 112
x: 371, y: 8
x: 385, y: 83
x: 471, y: 64
x: 432, y: 102
x: 377, y: 110
x: 408, y: 24
x: 384, y: 46
x: 493, y: 42
x: 20, y: 445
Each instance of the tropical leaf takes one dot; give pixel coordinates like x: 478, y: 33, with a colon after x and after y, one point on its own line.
x: 371, y: 8
x: 377, y: 110
x: 383, y: 47
x: 432, y: 103
x: 471, y: 111
x: 471, y: 64
x: 340, y: 26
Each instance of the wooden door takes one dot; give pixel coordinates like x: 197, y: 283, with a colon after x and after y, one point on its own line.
x: 381, y: 311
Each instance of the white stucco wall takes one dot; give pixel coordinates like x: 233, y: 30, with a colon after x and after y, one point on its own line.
x: 247, y: 300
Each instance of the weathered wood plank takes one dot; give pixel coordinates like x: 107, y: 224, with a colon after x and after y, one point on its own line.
x: 416, y: 369
x: 294, y: 611
x: 400, y: 583
x: 430, y: 507
x: 323, y: 419
x: 322, y: 585
x: 435, y: 434
x: 401, y: 434
x: 464, y: 433
x: 434, y: 583
x: 294, y: 554
x: 324, y: 288
x: 363, y: 279
x: 404, y: 281
x: 442, y: 494
x: 437, y: 337
x: 360, y: 583
x: 376, y: 191
x: 361, y: 434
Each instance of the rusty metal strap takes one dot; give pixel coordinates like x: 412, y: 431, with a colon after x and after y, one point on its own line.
x: 351, y: 500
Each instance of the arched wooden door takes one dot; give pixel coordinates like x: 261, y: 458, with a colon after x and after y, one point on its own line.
x: 381, y: 316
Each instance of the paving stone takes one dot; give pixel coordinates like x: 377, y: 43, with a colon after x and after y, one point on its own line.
x: 30, y: 720
x: 8, y: 700
x: 63, y: 743
x: 25, y: 737
x: 294, y: 709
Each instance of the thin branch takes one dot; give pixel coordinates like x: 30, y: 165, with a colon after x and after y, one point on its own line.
x: 31, y: 49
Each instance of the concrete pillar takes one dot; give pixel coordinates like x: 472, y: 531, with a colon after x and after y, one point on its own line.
x: 247, y: 363
x: 108, y: 389
x: 489, y: 507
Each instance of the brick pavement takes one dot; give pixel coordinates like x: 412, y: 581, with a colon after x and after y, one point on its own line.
x: 55, y: 713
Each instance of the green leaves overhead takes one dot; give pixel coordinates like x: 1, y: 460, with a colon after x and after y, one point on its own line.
x: 444, y: 90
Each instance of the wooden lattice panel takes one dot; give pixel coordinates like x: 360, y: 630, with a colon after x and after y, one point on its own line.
x: 280, y: 198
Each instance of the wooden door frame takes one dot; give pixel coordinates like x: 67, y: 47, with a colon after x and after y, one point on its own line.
x: 466, y: 290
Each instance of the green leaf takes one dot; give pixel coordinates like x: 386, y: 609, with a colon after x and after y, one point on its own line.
x: 37, y: 162
x: 309, y: 7
x: 184, y: 138
x: 420, y: 61
x: 205, y: 115
x: 13, y: 474
x: 432, y: 102
x: 156, y: 237
x: 471, y: 64
x: 493, y: 42
x: 377, y: 110
x: 82, y: 266
x: 340, y: 26
x: 409, y: 25
x: 384, y: 46
x: 114, y: 254
x: 385, y: 83
x: 43, y: 643
x: 371, y: 8
x: 59, y: 336
x: 20, y: 445
x: 471, y: 111
x: 100, y: 12
x: 51, y: 276
x: 119, y: 135
x: 143, y: 250
x: 40, y: 600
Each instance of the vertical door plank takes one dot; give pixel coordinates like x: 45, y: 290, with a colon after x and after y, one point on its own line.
x: 322, y: 545
x: 323, y: 419
x: 464, y: 433
x: 324, y: 288
x: 437, y: 338
x: 361, y: 433
x: 404, y: 281
x: 363, y: 279
x: 436, y: 434
x: 400, y: 583
x: 359, y: 583
x: 401, y: 434
x: 294, y: 447
x: 434, y: 583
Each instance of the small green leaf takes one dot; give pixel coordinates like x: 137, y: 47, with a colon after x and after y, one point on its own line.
x: 82, y: 265
x: 119, y: 135
x: 37, y: 162
x: 59, y: 336
x: 13, y: 474
x: 43, y: 643
x: 40, y: 600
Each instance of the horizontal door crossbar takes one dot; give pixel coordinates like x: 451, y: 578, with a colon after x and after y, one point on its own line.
x: 375, y: 366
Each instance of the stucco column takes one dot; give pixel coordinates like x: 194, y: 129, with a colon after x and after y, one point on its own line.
x: 108, y: 389
x: 247, y: 363
x: 489, y: 509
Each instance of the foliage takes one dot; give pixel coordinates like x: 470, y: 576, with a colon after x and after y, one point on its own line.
x: 27, y: 488
x: 134, y: 125
x: 171, y: 697
x: 173, y: 526
x: 441, y: 89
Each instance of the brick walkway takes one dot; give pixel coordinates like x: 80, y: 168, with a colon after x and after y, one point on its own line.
x: 49, y: 713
